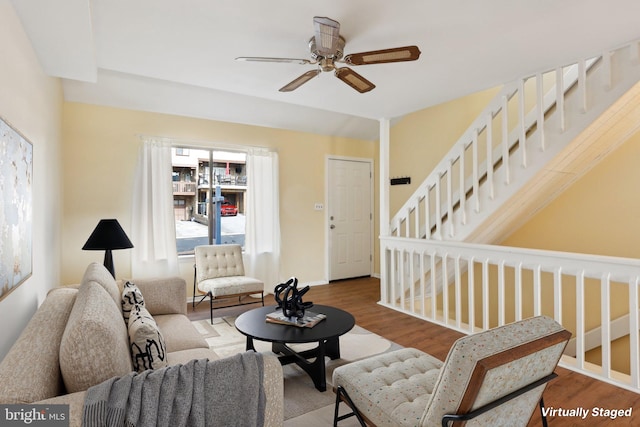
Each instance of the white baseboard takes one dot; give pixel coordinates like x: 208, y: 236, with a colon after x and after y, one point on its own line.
x: 314, y: 283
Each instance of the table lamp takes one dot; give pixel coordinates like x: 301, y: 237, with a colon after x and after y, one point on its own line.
x: 107, y: 236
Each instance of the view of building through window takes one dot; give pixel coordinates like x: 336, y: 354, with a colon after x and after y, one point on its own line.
x: 195, y: 175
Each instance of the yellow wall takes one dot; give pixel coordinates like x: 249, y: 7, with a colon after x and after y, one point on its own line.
x: 100, y: 153
x: 599, y: 214
x: 420, y: 140
x: 32, y: 103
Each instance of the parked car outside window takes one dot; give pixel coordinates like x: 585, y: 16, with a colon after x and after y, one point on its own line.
x: 228, y: 209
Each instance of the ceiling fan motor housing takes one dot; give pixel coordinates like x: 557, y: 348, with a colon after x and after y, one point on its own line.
x: 335, y: 56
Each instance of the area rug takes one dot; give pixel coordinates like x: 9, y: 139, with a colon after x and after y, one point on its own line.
x: 301, y: 398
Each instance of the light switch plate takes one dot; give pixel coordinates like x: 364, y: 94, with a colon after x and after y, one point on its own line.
x: 318, y: 206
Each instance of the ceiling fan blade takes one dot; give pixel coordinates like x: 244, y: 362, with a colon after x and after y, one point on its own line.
x: 398, y: 54
x: 267, y: 59
x: 299, y: 81
x: 327, y: 35
x: 354, y: 79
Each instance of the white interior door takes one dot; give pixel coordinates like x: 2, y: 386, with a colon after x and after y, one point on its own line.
x: 350, y: 216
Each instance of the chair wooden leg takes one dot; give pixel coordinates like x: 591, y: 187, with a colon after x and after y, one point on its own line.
x: 341, y: 395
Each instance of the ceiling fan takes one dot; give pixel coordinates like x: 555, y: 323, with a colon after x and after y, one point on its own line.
x: 327, y: 49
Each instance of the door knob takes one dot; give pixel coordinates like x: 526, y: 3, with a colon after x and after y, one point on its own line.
x: 332, y: 226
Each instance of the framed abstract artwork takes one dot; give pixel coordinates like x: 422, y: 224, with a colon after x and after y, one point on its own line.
x: 16, y: 210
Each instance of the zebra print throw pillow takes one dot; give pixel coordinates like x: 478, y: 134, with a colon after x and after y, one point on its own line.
x: 148, y: 350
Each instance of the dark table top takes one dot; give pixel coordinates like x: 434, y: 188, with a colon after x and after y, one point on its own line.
x: 253, y: 324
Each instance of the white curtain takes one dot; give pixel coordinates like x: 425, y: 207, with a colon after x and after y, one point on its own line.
x: 153, y: 224
x: 262, y: 242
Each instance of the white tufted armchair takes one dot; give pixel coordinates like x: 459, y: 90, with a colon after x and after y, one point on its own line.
x: 492, y: 378
x: 219, y: 274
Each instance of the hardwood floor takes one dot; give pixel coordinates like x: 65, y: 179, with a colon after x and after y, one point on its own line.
x: 360, y: 296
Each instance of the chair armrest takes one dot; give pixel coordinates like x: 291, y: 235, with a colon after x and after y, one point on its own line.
x: 164, y: 295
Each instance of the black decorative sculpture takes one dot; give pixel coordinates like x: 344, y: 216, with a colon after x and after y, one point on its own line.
x: 289, y: 298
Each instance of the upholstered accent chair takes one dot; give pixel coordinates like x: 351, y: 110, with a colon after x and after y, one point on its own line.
x: 492, y: 378
x: 219, y: 275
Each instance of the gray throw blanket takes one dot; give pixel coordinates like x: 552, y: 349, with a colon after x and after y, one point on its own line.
x: 225, y: 392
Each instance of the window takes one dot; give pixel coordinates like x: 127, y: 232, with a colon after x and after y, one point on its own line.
x: 196, y: 176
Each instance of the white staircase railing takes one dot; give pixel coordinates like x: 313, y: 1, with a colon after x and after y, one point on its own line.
x: 594, y: 297
x: 526, y: 125
x: 535, y: 124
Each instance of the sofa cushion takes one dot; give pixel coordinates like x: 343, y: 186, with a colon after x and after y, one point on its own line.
x: 183, y: 356
x: 230, y: 285
x: 40, y: 378
x: 131, y: 296
x: 97, y: 272
x: 179, y: 333
x: 148, y: 350
x: 383, y: 386
x: 166, y: 295
x: 94, y: 345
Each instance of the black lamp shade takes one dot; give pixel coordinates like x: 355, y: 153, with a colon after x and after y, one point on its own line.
x: 107, y: 236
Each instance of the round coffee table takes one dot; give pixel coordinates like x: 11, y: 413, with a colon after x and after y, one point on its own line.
x: 326, y: 333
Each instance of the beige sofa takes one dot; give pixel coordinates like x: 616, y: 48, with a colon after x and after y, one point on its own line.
x: 78, y: 338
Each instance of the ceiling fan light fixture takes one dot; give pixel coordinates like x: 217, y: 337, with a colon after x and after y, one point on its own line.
x: 327, y: 34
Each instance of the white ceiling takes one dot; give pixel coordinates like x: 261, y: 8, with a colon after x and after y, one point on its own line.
x: 178, y: 56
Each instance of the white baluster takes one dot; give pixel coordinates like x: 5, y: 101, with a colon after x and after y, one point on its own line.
x: 582, y: 84
x: 458, y: 293
x: 518, y: 293
x: 445, y: 288
x: 490, y: 156
x: 501, y: 294
x: 403, y: 278
x: 557, y: 295
x: 416, y: 218
x: 605, y: 322
x: 485, y: 295
x: 540, y: 109
x: 433, y: 286
x: 505, y: 140
x: 560, y: 97
x: 438, y: 208
x: 462, y: 191
x: 471, y: 283
x: 522, y: 140
x: 393, y: 276
x: 423, y: 285
x: 427, y: 212
x: 580, y: 319
x: 412, y: 281
x: 407, y: 223
x: 537, y: 291
x: 634, y: 327
x: 450, y: 199
x: 476, y: 177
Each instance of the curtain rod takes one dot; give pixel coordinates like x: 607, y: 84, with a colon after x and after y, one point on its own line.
x: 202, y: 143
